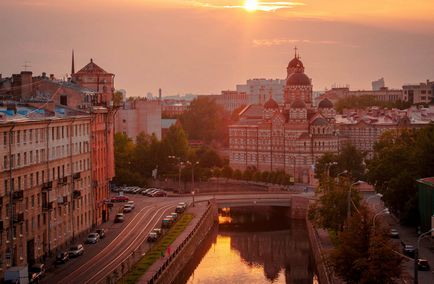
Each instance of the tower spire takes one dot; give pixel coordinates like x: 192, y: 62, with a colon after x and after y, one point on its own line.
x: 295, y: 51
x: 72, y: 63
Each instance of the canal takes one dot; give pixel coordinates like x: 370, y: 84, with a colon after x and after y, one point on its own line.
x: 253, y: 245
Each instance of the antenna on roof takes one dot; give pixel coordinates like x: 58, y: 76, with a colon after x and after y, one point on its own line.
x: 72, y: 63
x: 26, y: 65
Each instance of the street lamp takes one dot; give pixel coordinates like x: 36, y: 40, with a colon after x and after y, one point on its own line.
x: 382, y: 212
x: 416, y: 255
x: 373, y: 196
x: 192, y: 172
x: 192, y: 194
x: 180, y: 165
x: 349, y: 198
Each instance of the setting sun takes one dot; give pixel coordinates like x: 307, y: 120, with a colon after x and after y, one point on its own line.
x: 251, y: 5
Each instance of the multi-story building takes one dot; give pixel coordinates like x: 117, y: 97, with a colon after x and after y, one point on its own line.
x: 383, y: 94
x: 46, y: 196
x: 58, y: 160
x: 174, y: 108
x: 258, y: 90
x: 139, y: 115
x: 231, y: 100
x: 422, y: 93
x: 291, y: 137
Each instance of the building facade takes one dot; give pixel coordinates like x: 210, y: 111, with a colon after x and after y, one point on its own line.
x: 422, y: 93
x: 258, y: 90
x: 288, y: 137
x: 139, y: 115
x: 46, y: 197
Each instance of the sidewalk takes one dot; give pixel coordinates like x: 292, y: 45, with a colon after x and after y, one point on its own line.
x: 198, y: 211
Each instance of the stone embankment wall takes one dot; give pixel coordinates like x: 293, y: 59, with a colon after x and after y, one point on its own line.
x: 180, y: 257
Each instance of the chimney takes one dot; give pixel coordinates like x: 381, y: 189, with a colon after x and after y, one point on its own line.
x: 159, y: 94
x: 51, y: 76
x: 44, y: 75
x: 26, y: 84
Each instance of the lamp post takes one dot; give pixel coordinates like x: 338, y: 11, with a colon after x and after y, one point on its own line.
x: 373, y: 196
x: 382, y: 212
x: 328, y: 165
x: 180, y: 164
x: 416, y: 255
x: 192, y: 172
x: 349, y: 200
x: 192, y: 194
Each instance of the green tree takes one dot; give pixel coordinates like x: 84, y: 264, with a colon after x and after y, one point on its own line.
x: 365, y: 101
x: 365, y: 255
x: 207, y: 121
x: 400, y: 158
x: 330, y: 212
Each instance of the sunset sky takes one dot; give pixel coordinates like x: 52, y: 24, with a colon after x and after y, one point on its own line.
x: 204, y: 47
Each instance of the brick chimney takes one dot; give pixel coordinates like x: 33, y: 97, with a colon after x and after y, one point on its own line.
x: 26, y: 84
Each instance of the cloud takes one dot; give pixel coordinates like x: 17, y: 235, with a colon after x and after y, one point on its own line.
x: 283, y: 41
x: 265, y: 6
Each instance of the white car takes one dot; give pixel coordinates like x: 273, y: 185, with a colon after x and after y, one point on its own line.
x: 92, y: 238
x: 75, y: 251
x: 127, y: 208
x: 131, y: 203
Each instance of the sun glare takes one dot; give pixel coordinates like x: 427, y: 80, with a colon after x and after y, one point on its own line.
x: 251, y: 5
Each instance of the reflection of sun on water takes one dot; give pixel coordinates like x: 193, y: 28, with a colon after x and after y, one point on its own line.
x: 251, y: 5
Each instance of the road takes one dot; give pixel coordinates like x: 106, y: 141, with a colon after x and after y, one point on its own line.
x: 122, y: 239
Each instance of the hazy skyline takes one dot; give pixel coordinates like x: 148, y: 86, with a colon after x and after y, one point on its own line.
x: 209, y: 46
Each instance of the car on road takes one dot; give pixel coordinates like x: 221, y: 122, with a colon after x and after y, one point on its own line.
x: 152, y: 237
x: 75, y: 251
x: 179, y: 209
x: 166, y: 223
x: 409, y: 250
x: 174, y: 216
x: 423, y: 264
x: 127, y: 208
x: 149, y: 193
x: 131, y: 203
x: 120, y: 199
x: 92, y: 238
x: 101, y: 233
x: 119, y: 218
x: 394, y: 234
x: 36, y: 272
x: 62, y: 257
x: 158, y: 231
x: 159, y: 193
x: 183, y: 204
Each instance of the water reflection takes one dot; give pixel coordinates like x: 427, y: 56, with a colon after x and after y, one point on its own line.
x: 253, y: 245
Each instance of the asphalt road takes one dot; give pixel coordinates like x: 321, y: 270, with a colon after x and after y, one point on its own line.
x: 121, y: 240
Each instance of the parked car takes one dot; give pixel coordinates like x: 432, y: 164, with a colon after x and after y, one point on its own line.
x: 152, y: 237
x: 158, y: 231
x: 119, y: 218
x: 120, y: 199
x: 75, y: 251
x: 149, y: 193
x: 131, y: 203
x: 174, y: 216
x: 183, y: 204
x: 423, y: 264
x: 101, y: 233
x: 92, y: 238
x: 62, y: 257
x: 409, y: 250
x: 127, y: 208
x: 145, y: 192
x: 394, y: 234
x: 179, y: 209
x: 159, y: 193
x: 36, y: 272
x: 166, y: 223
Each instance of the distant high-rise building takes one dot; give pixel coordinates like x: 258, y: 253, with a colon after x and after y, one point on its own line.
x: 419, y: 93
x: 378, y: 84
x: 258, y: 90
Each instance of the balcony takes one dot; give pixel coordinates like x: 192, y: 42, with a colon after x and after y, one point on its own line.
x: 76, y: 176
x: 47, y: 186
x: 62, y: 200
x: 47, y: 206
x: 62, y: 181
x: 76, y: 194
x: 19, y: 218
x: 19, y: 195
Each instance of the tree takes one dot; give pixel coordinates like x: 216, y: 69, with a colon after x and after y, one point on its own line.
x: 365, y: 255
x: 400, y: 158
x: 207, y: 121
x: 365, y: 101
x: 330, y: 212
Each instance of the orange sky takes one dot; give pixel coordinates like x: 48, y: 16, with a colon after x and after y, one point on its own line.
x: 206, y: 46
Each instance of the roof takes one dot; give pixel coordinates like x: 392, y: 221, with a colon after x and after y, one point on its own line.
x: 91, y: 67
x: 252, y: 111
x: 428, y: 181
x: 298, y: 104
x: 298, y: 79
x: 167, y: 122
x: 295, y: 63
x: 319, y: 121
x: 325, y: 103
x: 271, y: 104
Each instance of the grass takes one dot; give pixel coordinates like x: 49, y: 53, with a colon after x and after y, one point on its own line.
x: 155, y: 252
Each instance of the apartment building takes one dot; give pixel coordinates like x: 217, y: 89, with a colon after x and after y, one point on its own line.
x: 45, y: 181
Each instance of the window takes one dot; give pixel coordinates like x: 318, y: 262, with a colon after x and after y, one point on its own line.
x: 18, y: 136
x: 25, y: 136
